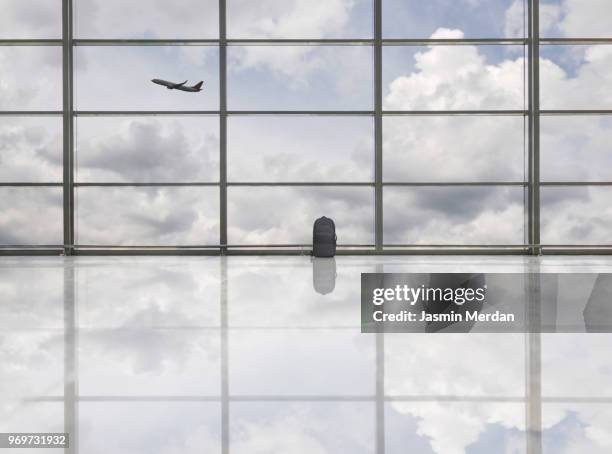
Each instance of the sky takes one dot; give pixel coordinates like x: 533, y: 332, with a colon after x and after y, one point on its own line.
x: 127, y: 149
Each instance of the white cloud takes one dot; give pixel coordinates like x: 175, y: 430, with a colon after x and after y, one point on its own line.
x: 586, y: 18
x: 149, y: 150
x: 31, y: 78
x: 150, y: 19
x: 31, y: 149
x: 515, y: 20
x: 30, y: 19
x: 457, y: 78
x: 289, y: 18
x: 147, y: 216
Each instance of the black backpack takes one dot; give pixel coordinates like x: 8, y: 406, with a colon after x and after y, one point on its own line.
x: 324, y: 238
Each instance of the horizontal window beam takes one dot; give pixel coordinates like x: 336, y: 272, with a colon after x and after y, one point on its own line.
x: 29, y: 184
x: 576, y: 112
x: 31, y: 42
x: 575, y: 41
x: 30, y: 113
x: 89, y: 113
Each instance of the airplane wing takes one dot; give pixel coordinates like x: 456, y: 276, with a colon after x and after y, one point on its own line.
x: 179, y: 85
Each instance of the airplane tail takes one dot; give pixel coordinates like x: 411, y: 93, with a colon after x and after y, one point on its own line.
x: 198, y: 86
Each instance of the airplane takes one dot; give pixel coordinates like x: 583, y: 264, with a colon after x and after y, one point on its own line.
x: 171, y: 85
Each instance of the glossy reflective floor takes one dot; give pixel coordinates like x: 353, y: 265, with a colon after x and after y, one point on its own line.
x: 264, y: 355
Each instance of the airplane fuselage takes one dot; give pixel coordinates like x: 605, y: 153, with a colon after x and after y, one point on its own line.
x: 180, y: 86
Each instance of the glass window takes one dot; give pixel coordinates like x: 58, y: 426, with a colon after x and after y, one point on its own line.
x: 300, y: 77
x: 31, y: 78
x: 454, y: 148
x: 471, y: 18
x: 575, y: 19
x: 576, y: 215
x: 31, y: 149
x: 31, y: 216
x: 299, y: 19
x: 119, y: 78
x: 273, y: 148
x: 31, y: 19
x: 179, y: 19
x: 454, y: 215
x: 461, y: 77
x: 576, y: 148
x: 147, y: 149
x: 147, y: 216
x: 575, y: 77
x: 284, y: 215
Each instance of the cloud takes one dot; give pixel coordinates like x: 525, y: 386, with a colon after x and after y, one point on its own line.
x: 457, y: 78
x: 31, y: 149
x: 146, y: 19
x: 147, y: 216
x: 300, y: 148
x: 31, y: 216
x: 160, y: 149
x: 290, y: 18
x: 285, y: 215
x: 575, y: 18
x: 30, y: 19
x: 31, y: 78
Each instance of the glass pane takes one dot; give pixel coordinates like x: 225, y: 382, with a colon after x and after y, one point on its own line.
x: 454, y: 215
x: 119, y: 78
x: 179, y: 19
x: 31, y: 216
x: 147, y: 149
x: 576, y: 77
x: 284, y: 215
x: 301, y: 149
x: 478, y: 427
x: 470, y: 18
x: 462, y: 77
x: 31, y: 78
x: 300, y: 77
x: 454, y: 148
x: 575, y: 19
x: 298, y: 362
x: 31, y: 149
x: 31, y: 19
x: 147, y: 216
x: 299, y: 19
x: 576, y: 148
x: 576, y: 215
